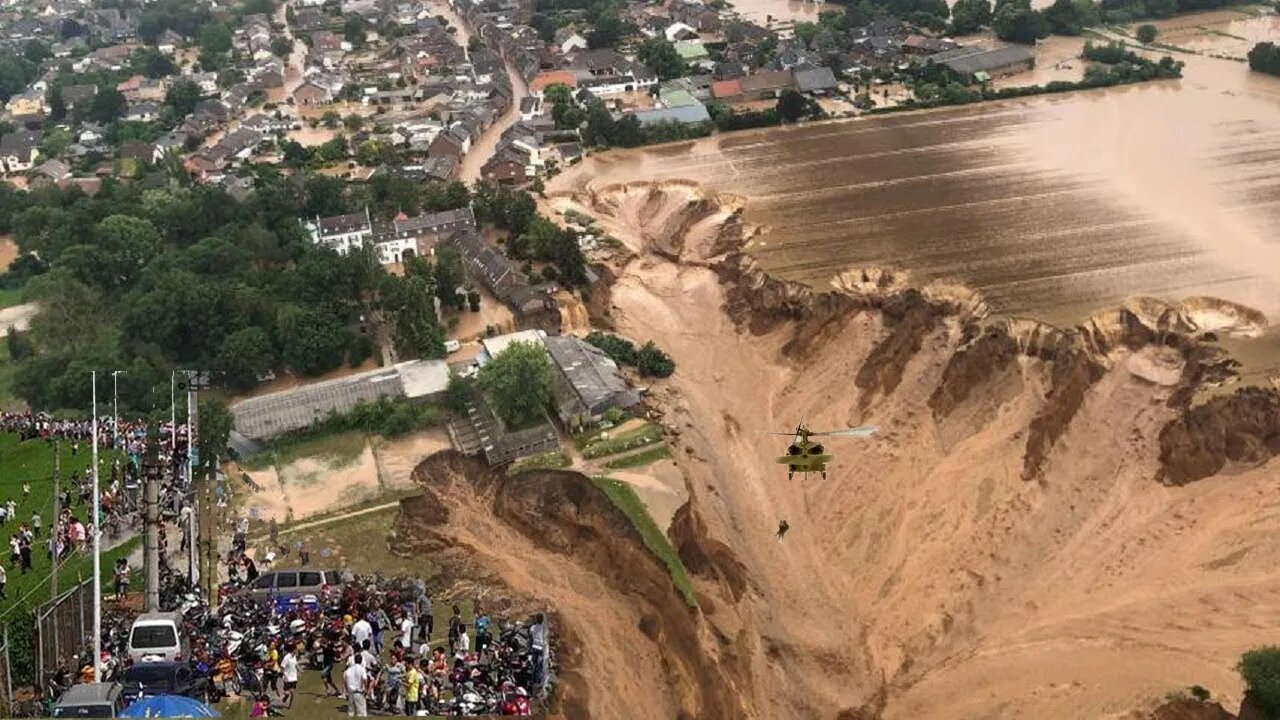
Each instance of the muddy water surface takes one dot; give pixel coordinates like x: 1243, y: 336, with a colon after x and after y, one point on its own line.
x: 1053, y: 207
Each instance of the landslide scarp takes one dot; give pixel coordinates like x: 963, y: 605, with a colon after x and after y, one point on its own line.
x: 577, y: 538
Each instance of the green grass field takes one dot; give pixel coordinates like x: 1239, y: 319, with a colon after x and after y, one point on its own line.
x: 10, y: 297
x: 32, y: 461
x: 633, y: 507
x: 639, y: 437
x: 640, y: 459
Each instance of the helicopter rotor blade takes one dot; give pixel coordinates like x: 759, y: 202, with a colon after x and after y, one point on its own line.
x: 858, y: 432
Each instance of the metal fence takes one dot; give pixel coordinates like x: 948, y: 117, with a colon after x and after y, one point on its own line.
x: 64, y: 628
x: 6, y: 678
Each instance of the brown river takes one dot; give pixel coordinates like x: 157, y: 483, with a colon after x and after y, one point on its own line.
x: 1053, y: 207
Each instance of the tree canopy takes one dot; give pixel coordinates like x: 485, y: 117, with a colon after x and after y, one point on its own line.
x: 518, y: 383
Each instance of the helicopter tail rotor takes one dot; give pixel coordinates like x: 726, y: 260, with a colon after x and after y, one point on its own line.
x: 858, y: 432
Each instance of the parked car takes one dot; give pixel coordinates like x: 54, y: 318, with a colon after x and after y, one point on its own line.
x: 294, y: 586
x: 164, y: 678
x: 90, y: 700
x: 159, y: 637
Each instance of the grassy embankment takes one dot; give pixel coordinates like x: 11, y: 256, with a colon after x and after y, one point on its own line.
x: 633, y: 507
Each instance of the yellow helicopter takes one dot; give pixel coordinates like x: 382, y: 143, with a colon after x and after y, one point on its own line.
x: 807, y: 457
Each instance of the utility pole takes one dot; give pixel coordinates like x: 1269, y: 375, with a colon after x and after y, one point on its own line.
x: 151, y: 495
x: 53, y: 540
x: 115, y: 408
x: 189, y: 486
x: 53, y: 522
x: 97, y: 547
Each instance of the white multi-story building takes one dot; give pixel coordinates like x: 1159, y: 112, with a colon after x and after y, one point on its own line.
x: 341, y: 233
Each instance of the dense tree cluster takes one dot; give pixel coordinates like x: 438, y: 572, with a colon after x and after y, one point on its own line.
x: 661, y: 57
x: 648, y: 358
x: 518, y: 383
x: 1260, y: 669
x: 1265, y: 57
x: 146, y: 281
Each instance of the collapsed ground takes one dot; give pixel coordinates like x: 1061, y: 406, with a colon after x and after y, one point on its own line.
x: 1038, y: 531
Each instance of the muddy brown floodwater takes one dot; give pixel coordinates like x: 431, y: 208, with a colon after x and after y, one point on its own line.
x: 1052, y: 207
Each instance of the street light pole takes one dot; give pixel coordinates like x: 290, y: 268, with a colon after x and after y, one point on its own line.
x: 97, y: 547
x: 115, y: 408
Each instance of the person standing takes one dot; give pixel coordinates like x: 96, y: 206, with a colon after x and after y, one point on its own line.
x: 413, y: 678
x: 426, y: 621
x: 354, y: 679
x: 122, y: 577
x: 4, y: 580
x: 462, y: 645
x: 361, y: 632
x: 406, y: 631
x: 35, y: 524
x: 329, y: 655
x: 289, y: 668
x: 24, y: 549
x: 454, y: 623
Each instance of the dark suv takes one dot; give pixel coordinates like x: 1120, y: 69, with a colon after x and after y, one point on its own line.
x: 164, y: 678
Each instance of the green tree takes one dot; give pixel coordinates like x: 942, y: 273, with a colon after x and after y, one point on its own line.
x: 791, y: 105
x: 152, y: 63
x: 416, y: 331
x: 1265, y: 57
x: 353, y: 31
x: 1017, y: 22
x: 970, y: 16
x: 608, y: 30
x: 1260, y: 669
x: 215, y: 38
x: 662, y: 58
x: 1147, y: 33
x: 106, y: 106
x: 450, y: 274
x: 36, y: 51
x: 20, y: 346
x: 128, y: 243
x: 214, y: 423
x: 518, y: 383
x: 55, y: 141
x: 245, y: 355
x: 183, y: 97
x: 57, y: 105
x: 16, y: 72
x: 312, y: 340
x: 281, y: 47
x: 652, y: 362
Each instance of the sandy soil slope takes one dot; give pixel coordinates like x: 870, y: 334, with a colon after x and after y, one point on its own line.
x: 1040, y: 530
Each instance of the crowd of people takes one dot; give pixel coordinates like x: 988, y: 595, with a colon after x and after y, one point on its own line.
x: 373, y: 645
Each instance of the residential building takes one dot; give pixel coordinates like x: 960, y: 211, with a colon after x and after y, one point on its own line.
x: 978, y: 64
x: 587, y: 381
x: 19, y: 150
x: 341, y: 233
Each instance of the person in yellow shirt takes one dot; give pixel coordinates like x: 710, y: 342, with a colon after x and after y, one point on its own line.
x: 412, y: 687
x: 271, y: 670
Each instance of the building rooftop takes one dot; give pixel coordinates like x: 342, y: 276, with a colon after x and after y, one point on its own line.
x: 268, y: 416
x: 687, y: 114
x: 423, y: 378
x: 970, y: 60
x: 495, y: 345
x: 592, y: 374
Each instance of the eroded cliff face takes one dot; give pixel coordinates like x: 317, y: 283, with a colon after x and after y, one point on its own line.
x: 572, y: 527
x: 927, y: 578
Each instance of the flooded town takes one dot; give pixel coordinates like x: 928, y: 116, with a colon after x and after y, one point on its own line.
x: 874, y: 360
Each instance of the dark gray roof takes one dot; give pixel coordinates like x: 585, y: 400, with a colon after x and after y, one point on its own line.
x: 594, y: 377
x: 811, y: 79
x: 970, y: 60
x: 344, y: 223
x: 20, y: 142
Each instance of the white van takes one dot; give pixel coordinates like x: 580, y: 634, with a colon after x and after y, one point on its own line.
x: 159, y: 637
